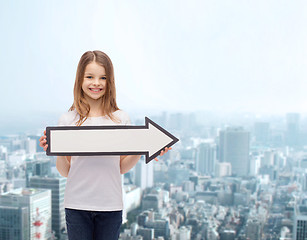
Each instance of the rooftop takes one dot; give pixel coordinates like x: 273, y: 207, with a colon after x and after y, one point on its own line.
x: 22, y: 192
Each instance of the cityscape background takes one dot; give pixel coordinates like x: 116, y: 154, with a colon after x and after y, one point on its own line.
x: 228, y: 78
x: 232, y: 178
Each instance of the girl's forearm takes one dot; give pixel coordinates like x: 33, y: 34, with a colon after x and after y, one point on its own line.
x: 128, y: 162
x: 63, y: 165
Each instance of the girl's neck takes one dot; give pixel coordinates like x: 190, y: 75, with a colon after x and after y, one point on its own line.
x: 96, y: 109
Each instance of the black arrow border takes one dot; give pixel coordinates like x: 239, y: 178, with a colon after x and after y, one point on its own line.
x: 106, y: 127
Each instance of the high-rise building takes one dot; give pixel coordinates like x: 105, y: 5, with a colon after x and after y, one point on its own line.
x: 300, y: 223
x: 30, y: 145
x: 188, y: 186
x: 14, y: 223
x: 144, y: 174
x: 2, y: 170
x: 57, y: 187
x: 253, y: 229
x: 38, y: 203
x: 255, y: 162
x: 206, y: 158
x: 234, y: 148
x: 227, y: 234
x: 3, y: 153
x: 146, y: 233
x: 152, y: 201
x: 36, y: 138
x: 268, y: 158
x: 160, y: 226
x: 222, y: 169
x: 262, y: 132
x: 132, y: 199
x: 184, y: 233
x: 293, y: 128
x: 37, y: 168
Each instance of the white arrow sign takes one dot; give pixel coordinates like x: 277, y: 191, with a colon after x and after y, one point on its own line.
x: 150, y: 140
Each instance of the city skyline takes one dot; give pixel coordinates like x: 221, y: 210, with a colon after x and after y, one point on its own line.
x: 198, y: 190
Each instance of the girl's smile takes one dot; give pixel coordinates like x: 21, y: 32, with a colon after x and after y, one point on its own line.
x: 96, y: 90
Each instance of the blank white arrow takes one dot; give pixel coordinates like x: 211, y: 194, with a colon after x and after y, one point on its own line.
x: 109, y: 140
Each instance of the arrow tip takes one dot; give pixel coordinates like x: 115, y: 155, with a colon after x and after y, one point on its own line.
x: 171, y: 139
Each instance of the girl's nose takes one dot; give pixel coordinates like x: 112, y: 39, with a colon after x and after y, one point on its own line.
x: 96, y: 81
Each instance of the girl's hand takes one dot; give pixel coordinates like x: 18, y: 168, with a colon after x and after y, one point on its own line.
x: 43, y: 141
x: 163, y: 152
x: 44, y: 145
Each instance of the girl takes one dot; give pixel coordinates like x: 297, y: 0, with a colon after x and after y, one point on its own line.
x: 93, y: 194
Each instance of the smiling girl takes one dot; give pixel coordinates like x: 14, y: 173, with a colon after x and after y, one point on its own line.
x: 93, y: 194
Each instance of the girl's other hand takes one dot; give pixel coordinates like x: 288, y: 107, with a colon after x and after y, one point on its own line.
x: 43, y: 141
x: 163, y: 152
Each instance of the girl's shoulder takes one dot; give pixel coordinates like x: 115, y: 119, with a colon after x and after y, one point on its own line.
x: 68, y: 118
x: 122, y: 116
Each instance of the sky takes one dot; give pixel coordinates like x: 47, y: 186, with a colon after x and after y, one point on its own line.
x: 236, y: 55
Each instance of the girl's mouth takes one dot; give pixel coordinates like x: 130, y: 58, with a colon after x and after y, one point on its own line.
x: 95, y: 90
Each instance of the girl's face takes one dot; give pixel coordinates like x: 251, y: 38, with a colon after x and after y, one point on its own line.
x: 95, y: 81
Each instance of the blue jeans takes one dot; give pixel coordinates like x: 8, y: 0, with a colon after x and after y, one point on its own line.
x: 93, y: 225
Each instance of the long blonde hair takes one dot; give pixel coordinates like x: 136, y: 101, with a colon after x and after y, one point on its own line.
x: 109, y: 104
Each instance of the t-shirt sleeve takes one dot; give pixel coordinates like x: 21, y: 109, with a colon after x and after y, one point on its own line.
x: 62, y: 120
x: 126, y: 119
x: 68, y: 118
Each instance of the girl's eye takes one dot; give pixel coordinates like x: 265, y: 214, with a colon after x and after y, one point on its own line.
x: 102, y: 77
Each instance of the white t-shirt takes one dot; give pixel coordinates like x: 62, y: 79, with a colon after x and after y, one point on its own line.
x: 94, y: 182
